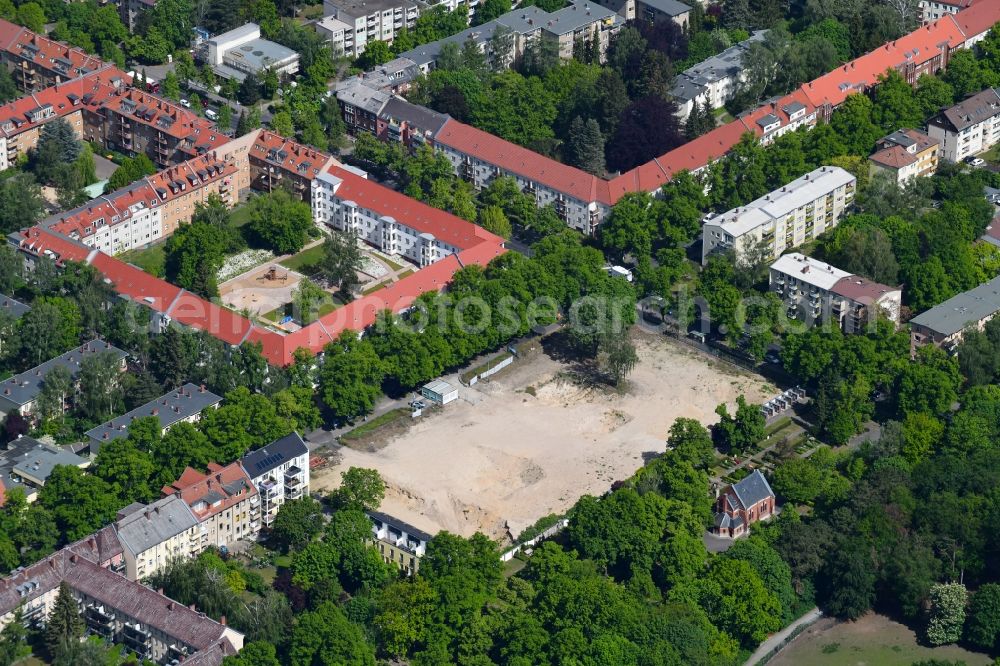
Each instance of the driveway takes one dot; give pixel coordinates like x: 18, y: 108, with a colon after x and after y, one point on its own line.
x: 781, y: 637
x: 104, y: 166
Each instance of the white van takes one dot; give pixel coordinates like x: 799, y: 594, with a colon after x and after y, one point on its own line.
x: 211, y: 115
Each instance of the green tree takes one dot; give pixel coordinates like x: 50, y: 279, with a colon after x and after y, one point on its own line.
x: 307, y: 298
x: 64, y: 625
x: 493, y: 220
x: 258, y: 653
x: 297, y: 523
x: 341, y: 260
x: 585, y: 146
x: 376, y: 53
x: 743, y: 430
x: 80, y: 503
x: 53, y: 326
x: 281, y: 123
x: 55, y: 391
x: 21, y: 202
x: 737, y: 601
x: 32, y: 17
x: 326, y: 636
x: 351, y: 376
x: 100, y: 395
x: 947, y: 613
x: 690, y: 441
x: 225, y: 121
x: 359, y: 488
x: 249, y: 120
x: 983, y: 627
x: 14, y: 640
x: 170, y: 87
x: 279, y: 222
x: 127, y: 470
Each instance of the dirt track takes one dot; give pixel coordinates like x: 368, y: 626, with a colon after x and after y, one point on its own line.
x: 500, y: 454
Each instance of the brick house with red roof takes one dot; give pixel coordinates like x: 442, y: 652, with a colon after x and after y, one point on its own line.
x: 223, y: 500
x: 742, y: 504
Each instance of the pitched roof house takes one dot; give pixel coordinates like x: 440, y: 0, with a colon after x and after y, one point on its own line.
x: 742, y: 504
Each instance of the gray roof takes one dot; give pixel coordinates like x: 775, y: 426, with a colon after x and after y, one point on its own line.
x: 12, y: 455
x: 171, y: 408
x: 259, y: 54
x: 388, y: 76
x: 961, y: 311
x: 668, y: 7
x: 427, y: 120
x: 971, y: 111
x: 263, y: 460
x: 752, y: 489
x: 154, y: 524
x: 37, y: 462
x: 769, y: 119
x: 359, y: 8
x: 13, y: 307
x: 692, y: 81
x: 401, y: 525
x: 357, y: 94
x: 579, y: 15
x: 23, y: 388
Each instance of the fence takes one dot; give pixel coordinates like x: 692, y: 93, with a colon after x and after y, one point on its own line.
x: 491, y: 367
x: 530, y: 543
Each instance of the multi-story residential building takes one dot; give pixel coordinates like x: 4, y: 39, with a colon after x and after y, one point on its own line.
x: 814, y: 291
x: 276, y: 161
x: 781, y: 116
x: 968, y: 128
x: 390, y: 221
x: 121, y: 611
x: 279, y: 472
x: 396, y: 76
x: 479, y: 157
x: 650, y: 10
x: 20, y: 393
x: 945, y: 324
x: 154, y: 535
x: 242, y: 51
x: 932, y: 10
x: 905, y: 155
x: 408, y: 123
x: 713, y: 81
x: 38, y: 62
x: 224, y: 501
x: 361, y: 105
x: 398, y: 542
x: 786, y: 218
x: 504, y: 39
x: 138, y: 122
x: 371, y: 20
x: 185, y: 404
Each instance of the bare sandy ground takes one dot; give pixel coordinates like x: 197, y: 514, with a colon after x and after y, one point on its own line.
x: 500, y: 455
x: 252, y: 292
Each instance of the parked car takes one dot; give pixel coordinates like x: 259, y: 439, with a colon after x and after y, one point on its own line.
x: 186, y: 104
x: 211, y: 115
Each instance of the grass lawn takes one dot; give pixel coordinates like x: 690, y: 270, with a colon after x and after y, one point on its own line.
x: 376, y: 423
x: 874, y: 639
x: 332, y: 303
x: 304, y: 259
x: 992, y: 155
x: 240, y: 216
x: 151, y: 260
x: 512, y: 566
x: 375, y: 287
x: 390, y: 263
x: 283, y: 561
x: 722, y: 116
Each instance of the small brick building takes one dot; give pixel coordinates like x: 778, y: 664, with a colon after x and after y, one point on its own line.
x: 742, y: 504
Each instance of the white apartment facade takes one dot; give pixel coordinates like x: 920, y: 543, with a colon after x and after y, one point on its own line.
x: 279, y: 472
x: 932, y: 10
x: 342, y: 204
x: 153, y: 536
x: 968, y: 128
x: 814, y: 291
x: 370, y: 20
x: 786, y: 218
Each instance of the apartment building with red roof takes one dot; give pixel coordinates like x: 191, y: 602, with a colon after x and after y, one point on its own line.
x: 279, y: 162
x: 223, y: 500
x: 38, y: 62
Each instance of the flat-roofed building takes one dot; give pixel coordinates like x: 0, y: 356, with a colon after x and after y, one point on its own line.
x: 905, y: 155
x: 398, y: 542
x: 945, y: 324
x: 783, y: 219
x: 185, y: 404
x: 153, y: 536
x: 26, y: 463
x: 242, y: 51
x: 371, y: 20
x: 279, y: 472
x: 20, y: 392
x: 970, y: 127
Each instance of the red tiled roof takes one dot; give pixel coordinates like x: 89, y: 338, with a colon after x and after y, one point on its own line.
x: 41, y: 242
x: 227, y: 485
x: 136, y: 283
x: 183, y: 124
x: 978, y: 18
x: 15, y: 39
x: 692, y: 155
x: 919, y: 46
x: 516, y: 159
x: 216, y: 320
x: 444, y: 226
x: 860, y: 289
x: 299, y: 159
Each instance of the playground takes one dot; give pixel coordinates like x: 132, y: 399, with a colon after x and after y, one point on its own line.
x: 260, y: 290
